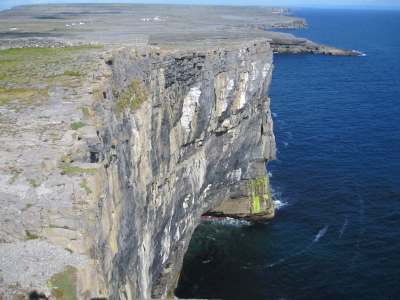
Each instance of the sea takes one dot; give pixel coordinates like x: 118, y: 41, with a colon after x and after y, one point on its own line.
x: 335, y: 181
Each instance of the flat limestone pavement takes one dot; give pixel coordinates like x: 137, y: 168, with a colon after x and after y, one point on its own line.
x: 45, y: 92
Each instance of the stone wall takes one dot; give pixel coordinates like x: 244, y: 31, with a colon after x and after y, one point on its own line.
x: 41, y: 42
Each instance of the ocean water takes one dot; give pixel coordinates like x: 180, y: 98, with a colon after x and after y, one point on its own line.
x: 336, y: 180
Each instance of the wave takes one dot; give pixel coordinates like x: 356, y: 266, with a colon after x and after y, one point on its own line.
x: 279, y: 204
x: 321, y: 233
x: 343, y: 227
x: 277, y: 196
x: 359, y: 52
x: 230, y: 222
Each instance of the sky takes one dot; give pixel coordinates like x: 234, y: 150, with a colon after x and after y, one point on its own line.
x: 5, y: 4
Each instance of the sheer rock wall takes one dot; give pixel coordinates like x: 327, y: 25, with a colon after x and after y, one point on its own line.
x: 204, y: 130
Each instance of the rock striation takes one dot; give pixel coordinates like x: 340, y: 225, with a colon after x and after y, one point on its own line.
x: 203, y: 133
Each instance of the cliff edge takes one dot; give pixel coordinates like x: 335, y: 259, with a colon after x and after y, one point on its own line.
x: 117, y: 164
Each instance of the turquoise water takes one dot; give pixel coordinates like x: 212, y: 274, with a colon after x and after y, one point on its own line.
x: 336, y: 180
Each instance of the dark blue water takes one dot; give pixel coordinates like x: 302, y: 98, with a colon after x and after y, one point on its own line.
x: 336, y: 179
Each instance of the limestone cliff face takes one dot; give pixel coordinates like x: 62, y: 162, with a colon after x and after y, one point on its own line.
x: 202, y: 137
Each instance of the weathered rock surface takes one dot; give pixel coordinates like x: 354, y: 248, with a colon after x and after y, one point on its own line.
x: 203, y: 133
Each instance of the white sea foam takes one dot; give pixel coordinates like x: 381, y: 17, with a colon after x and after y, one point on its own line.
x: 343, y: 228
x: 321, y: 233
x: 231, y: 222
x: 275, y: 114
x: 279, y: 204
x: 277, y: 262
x: 277, y: 196
x: 269, y: 174
x: 359, y: 52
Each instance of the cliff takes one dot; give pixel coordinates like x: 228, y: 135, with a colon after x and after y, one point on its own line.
x: 203, y: 132
x: 165, y: 137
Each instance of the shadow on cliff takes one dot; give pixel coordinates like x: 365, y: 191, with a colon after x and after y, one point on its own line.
x: 36, y: 296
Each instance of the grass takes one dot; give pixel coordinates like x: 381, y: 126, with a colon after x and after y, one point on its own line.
x: 64, y: 284
x: 29, y: 205
x: 33, y: 183
x: 83, y: 185
x: 74, y: 73
x: 15, y: 172
x: 7, y: 94
x: 77, y: 170
x: 76, y: 126
x: 30, y: 235
x: 22, y: 68
x: 133, y: 97
x: 70, y: 73
x: 85, y: 111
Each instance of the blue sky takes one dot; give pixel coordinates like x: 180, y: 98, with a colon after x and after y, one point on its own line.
x: 4, y: 4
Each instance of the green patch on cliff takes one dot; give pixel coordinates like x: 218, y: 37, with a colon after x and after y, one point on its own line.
x: 256, y: 204
x: 76, y: 126
x: 77, y: 170
x: 133, y: 97
x: 258, y: 191
x: 64, y: 284
x: 83, y: 185
x: 86, y: 112
x: 30, y: 236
